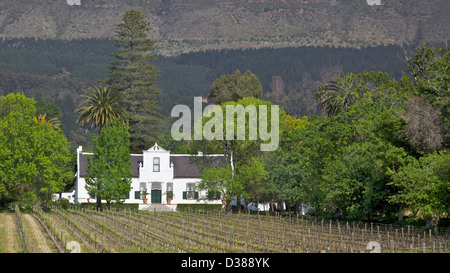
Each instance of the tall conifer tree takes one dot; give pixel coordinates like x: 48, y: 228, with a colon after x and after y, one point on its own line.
x: 132, y: 74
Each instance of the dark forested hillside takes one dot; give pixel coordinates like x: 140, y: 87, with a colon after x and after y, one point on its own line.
x: 55, y: 71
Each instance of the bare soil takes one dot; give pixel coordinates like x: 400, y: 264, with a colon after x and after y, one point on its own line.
x: 9, y: 237
x: 40, y: 241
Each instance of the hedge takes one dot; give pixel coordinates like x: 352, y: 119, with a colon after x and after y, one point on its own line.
x: 199, y: 207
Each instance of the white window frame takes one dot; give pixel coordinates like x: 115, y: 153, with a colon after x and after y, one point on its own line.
x: 158, y: 164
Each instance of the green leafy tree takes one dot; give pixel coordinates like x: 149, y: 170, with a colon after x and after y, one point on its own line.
x: 341, y: 162
x: 289, y: 176
x: 100, y: 105
x: 34, y: 156
x: 218, y: 178
x: 356, y: 184
x: 253, y: 176
x: 132, y: 75
x: 244, y: 155
x: 430, y: 81
x: 16, y: 141
x: 431, y: 73
x: 52, y: 159
x: 424, y: 187
x: 109, y: 170
x: 368, y: 150
x: 235, y: 87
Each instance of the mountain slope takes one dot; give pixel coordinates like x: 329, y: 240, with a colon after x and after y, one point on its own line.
x: 189, y: 25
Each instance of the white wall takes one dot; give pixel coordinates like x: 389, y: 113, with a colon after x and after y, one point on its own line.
x: 165, y: 173
x: 148, y: 176
x: 374, y: 2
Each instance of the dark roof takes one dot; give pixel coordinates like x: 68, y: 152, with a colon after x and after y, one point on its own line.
x: 133, y: 158
x: 184, y: 166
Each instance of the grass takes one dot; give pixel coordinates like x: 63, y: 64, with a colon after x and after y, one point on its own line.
x: 9, y: 237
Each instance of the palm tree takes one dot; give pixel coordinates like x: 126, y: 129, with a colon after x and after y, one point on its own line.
x: 100, y: 105
x: 338, y: 94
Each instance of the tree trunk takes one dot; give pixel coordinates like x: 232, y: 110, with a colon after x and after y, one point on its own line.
x: 280, y: 206
x: 400, y: 213
x: 228, y: 206
x: 288, y: 207
x: 99, y: 203
x: 298, y: 209
x: 238, y: 204
x: 247, y: 202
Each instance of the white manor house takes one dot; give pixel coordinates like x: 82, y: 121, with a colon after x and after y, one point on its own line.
x: 158, y: 172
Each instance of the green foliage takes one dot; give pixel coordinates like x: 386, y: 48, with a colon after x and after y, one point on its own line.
x: 424, y: 185
x: 76, y: 63
x: 431, y: 72
x: 109, y: 170
x: 132, y: 75
x: 35, y: 159
x: 198, y: 207
x: 218, y: 179
x: 100, y: 106
x: 339, y: 94
x: 429, y: 67
x: 357, y: 160
x: 355, y: 183
x: 113, y: 206
x: 235, y: 87
x: 297, y: 164
x: 247, y: 178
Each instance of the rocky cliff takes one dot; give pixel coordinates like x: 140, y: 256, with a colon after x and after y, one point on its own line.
x: 188, y: 25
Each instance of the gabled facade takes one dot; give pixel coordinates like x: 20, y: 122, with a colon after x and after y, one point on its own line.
x: 158, y: 172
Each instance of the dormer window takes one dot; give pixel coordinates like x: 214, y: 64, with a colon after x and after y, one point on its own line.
x: 156, y: 164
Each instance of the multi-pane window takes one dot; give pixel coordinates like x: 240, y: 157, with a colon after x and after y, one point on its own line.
x: 190, y: 191
x: 156, y: 164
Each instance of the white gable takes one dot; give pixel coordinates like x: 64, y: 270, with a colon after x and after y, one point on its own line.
x: 156, y: 155
x: 156, y: 147
x: 373, y: 2
x: 155, y: 170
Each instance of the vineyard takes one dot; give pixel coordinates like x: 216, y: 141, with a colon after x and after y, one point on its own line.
x: 131, y: 231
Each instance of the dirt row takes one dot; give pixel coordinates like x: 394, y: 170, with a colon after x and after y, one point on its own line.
x: 9, y: 237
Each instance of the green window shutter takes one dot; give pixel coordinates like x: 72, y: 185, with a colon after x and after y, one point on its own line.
x: 127, y: 196
x: 195, y: 194
x: 184, y: 195
x: 137, y: 195
x: 213, y: 195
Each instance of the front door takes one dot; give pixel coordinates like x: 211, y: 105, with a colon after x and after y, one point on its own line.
x: 156, y: 197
